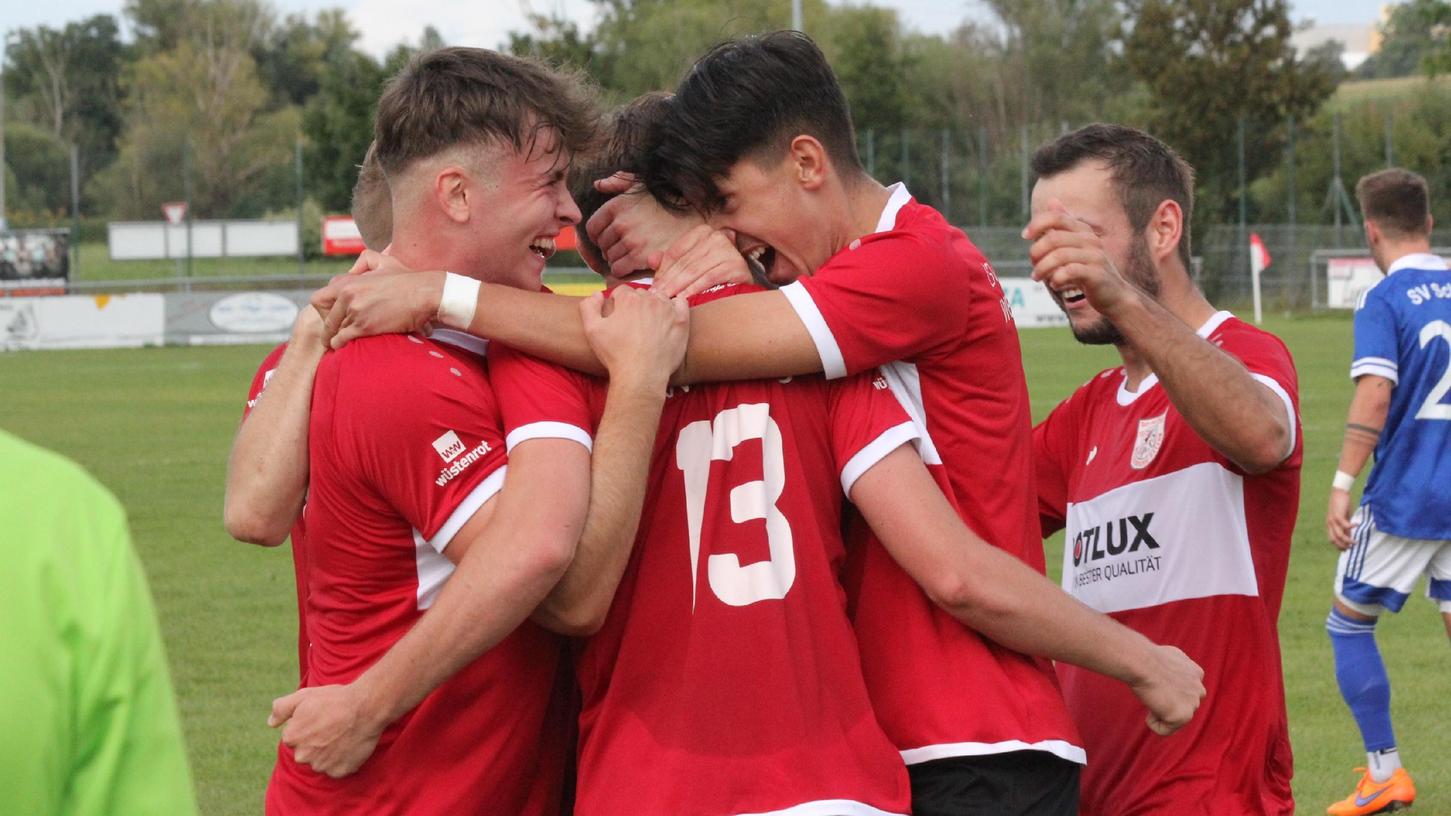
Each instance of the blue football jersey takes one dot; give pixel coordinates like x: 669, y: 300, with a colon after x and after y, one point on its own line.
x: 1403, y: 333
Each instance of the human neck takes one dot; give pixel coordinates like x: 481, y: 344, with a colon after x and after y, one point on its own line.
x: 1180, y: 298
x: 866, y: 198
x: 423, y: 246
x: 1394, y: 251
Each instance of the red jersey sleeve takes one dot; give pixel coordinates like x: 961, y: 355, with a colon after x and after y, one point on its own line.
x: 1053, y: 449
x: 425, y: 434
x: 262, y: 377
x: 867, y: 423
x: 887, y: 297
x: 1270, y: 363
x: 539, y: 400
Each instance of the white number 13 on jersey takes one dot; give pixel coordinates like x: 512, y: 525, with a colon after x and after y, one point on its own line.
x: 703, y: 442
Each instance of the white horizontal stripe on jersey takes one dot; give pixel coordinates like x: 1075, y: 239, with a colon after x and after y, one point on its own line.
x: 1058, y: 748
x: 458, y: 339
x: 828, y: 807
x: 1379, y: 366
x: 877, y: 450
x: 433, y: 567
x: 1270, y: 383
x: 832, y: 363
x: 1175, y: 537
x: 906, y: 385
x: 548, y: 430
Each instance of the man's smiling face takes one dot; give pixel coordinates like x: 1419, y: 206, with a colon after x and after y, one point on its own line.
x: 526, y: 203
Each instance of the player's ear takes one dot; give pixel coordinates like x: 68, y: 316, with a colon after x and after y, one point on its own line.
x: 452, y: 190
x: 809, y: 161
x: 1165, y: 228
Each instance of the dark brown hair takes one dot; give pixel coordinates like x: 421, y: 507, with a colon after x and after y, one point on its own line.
x: 453, y: 96
x: 1145, y: 171
x: 747, y: 98
x: 373, y: 203
x: 623, y: 148
x: 1396, y: 200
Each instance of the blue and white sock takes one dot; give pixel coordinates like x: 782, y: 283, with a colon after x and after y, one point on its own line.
x: 1367, y: 690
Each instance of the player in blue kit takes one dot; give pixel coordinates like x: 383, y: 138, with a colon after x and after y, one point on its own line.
x: 1401, y: 410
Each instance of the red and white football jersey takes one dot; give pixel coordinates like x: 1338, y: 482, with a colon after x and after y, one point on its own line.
x: 726, y: 678
x: 299, y: 527
x: 1170, y: 538
x: 918, y: 299
x: 405, y: 446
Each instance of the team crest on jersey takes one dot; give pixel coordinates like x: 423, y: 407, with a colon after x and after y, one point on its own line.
x: 1147, y: 441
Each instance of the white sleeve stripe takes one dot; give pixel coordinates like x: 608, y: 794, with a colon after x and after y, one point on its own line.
x: 466, y: 508
x: 1363, y: 367
x: 1270, y: 383
x: 832, y: 363
x: 875, y: 451
x: 1382, y: 361
x: 548, y: 430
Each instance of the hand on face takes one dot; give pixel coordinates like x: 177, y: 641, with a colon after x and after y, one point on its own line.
x: 1069, y: 258
x: 325, y: 728
x: 699, y: 259
x: 1172, y: 692
x: 640, y: 336
x: 389, y: 298
x: 632, y: 227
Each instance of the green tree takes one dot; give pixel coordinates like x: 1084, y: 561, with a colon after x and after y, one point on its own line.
x: 338, y: 123
x: 1414, y: 38
x: 293, y: 57
x: 39, y: 191
x: 1209, y: 63
x: 64, y: 81
x: 206, y: 100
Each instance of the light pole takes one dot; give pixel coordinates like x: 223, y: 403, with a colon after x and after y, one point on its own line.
x: 796, y: 15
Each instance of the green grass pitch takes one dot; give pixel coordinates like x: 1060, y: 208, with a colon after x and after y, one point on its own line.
x: 155, y: 425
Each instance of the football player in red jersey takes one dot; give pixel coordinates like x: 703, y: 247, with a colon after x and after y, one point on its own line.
x: 406, y: 460
x: 382, y: 302
x: 1176, y: 475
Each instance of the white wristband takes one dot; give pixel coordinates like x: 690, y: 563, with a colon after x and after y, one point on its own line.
x: 460, y: 299
x: 1343, y: 481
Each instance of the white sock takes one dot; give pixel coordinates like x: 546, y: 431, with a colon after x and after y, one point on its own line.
x: 1383, y: 764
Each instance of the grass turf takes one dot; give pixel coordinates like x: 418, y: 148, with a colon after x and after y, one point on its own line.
x: 155, y: 425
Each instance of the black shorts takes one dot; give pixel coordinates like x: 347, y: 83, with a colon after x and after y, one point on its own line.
x: 1019, y: 783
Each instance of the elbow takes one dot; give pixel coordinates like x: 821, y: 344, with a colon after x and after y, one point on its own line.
x: 252, y: 528
x: 1267, y: 452
x: 580, y: 621
x: 968, y: 599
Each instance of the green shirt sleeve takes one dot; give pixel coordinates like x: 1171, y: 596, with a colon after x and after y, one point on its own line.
x: 88, y: 711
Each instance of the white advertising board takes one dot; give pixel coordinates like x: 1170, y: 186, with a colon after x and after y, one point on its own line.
x: 153, y: 240
x: 82, y: 321
x: 1346, y: 279
x: 1032, y: 305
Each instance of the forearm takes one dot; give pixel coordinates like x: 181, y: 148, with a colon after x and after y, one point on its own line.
x: 747, y: 337
x: 539, y: 323
x: 482, y: 603
x: 267, y: 471
x: 1024, y: 611
x: 619, y: 470
x: 1237, y: 415
x: 1363, y: 422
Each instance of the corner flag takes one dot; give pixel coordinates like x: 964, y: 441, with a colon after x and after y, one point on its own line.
x: 1259, y: 261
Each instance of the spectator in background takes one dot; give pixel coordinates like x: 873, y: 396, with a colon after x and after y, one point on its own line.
x: 1403, y: 525
x: 88, y: 716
